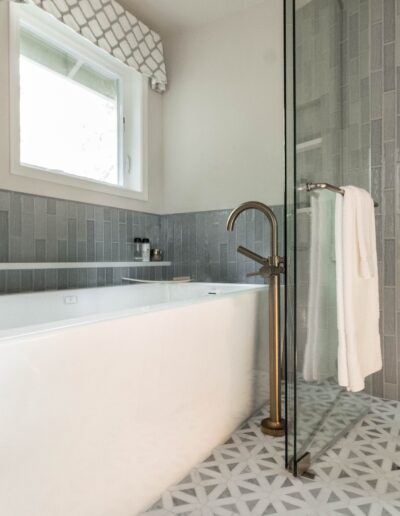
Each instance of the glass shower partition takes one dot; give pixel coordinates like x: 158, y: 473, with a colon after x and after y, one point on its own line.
x: 326, y: 61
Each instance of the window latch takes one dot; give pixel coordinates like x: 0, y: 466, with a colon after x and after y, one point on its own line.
x: 128, y: 164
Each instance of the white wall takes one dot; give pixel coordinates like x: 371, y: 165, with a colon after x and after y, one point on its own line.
x: 221, y: 119
x: 223, y: 112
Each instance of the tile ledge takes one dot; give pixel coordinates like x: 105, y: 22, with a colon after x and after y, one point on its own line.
x: 13, y: 266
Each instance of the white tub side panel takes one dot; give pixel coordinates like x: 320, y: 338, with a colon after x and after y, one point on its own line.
x: 98, y: 420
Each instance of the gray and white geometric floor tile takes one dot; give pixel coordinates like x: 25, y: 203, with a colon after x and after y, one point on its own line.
x: 245, y: 476
x: 325, y: 411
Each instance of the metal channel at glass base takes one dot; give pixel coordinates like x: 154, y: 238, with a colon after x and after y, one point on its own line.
x: 303, y: 467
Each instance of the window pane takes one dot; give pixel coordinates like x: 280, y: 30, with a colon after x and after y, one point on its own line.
x: 68, y: 113
x: 44, y: 53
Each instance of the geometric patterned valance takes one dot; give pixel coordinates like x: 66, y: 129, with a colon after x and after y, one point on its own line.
x: 114, y: 29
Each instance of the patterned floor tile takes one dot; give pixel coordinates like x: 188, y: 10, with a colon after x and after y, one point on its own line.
x: 359, y: 475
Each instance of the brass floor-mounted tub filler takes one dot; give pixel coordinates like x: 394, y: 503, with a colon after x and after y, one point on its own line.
x: 271, y: 268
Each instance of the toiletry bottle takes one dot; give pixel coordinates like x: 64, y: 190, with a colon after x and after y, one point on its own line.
x: 137, y: 249
x: 145, y: 250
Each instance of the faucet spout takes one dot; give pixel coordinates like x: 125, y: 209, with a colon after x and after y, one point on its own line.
x: 263, y: 208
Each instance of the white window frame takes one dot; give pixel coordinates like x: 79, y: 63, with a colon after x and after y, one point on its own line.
x: 133, y: 102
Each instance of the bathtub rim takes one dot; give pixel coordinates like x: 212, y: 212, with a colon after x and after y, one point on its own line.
x: 29, y: 331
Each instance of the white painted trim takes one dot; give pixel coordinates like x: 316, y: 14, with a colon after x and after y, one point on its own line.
x: 77, y: 265
x: 134, y: 94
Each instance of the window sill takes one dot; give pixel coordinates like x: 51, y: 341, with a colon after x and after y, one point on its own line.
x: 76, y: 182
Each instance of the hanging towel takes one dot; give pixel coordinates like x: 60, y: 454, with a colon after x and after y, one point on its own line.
x: 320, y: 355
x: 359, y: 350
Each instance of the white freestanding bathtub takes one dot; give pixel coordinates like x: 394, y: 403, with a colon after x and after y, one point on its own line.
x: 109, y: 395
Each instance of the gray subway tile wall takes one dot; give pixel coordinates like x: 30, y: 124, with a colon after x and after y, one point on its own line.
x: 370, y: 131
x: 385, y: 187
x: 199, y: 246
x: 39, y: 229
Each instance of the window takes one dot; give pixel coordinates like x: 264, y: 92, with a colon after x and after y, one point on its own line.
x: 79, y: 115
x: 69, y: 118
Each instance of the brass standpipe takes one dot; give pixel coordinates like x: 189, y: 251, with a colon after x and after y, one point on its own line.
x: 271, y: 268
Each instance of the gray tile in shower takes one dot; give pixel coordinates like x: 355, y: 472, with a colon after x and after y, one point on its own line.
x: 389, y: 262
x: 377, y: 384
x: 389, y: 157
x: 376, y: 7
x: 354, y: 35
x: 390, y: 391
x: 376, y: 47
x: 389, y: 19
x: 389, y: 359
x: 389, y: 81
x: 389, y: 120
x: 390, y: 214
x: 389, y: 311
x: 376, y: 142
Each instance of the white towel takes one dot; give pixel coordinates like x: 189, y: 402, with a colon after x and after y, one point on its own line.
x: 359, y: 350
x: 320, y: 354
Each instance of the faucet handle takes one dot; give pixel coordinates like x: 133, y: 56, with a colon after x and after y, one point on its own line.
x: 274, y: 265
x: 251, y: 274
x: 252, y: 255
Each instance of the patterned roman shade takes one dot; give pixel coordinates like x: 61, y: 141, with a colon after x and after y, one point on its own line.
x: 109, y: 26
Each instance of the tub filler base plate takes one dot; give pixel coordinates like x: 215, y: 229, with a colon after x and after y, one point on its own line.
x: 272, y: 428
